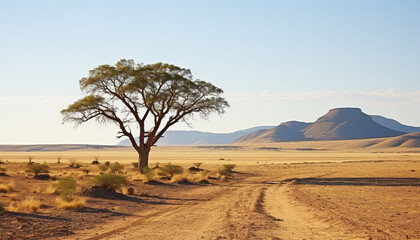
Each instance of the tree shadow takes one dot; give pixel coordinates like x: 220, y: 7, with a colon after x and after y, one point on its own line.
x: 366, y: 181
x: 34, y: 215
x: 100, y: 210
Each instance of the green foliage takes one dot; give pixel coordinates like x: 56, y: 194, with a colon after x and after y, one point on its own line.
x: 197, y: 164
x: 170, y: 170
x: 226, y: 169
x: 148, y: 173
x: 229, y: 167
x: 134, y: 94
x: 116, y: 167
x: 37, y: 168
x: 67, y: 188
x: 110, y: 181
x: 103, y: 167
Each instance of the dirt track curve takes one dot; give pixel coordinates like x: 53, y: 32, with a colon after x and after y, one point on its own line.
x: 253, y: 208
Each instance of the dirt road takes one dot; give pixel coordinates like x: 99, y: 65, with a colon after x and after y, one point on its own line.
x: 246, y: 209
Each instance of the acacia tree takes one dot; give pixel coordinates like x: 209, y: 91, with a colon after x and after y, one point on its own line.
x: 146, y: 99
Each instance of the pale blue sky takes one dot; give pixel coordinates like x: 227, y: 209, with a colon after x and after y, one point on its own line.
x: 276, y: 60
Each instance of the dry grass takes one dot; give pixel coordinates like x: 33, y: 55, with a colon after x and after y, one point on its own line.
x: 31, y: 203
x: 76, y: 203
x: 5, y: 188
x: 13, y: 207
x: 12, y: 196
x: 189, y: 177
x: 50, y: 189
x: 36, y: 189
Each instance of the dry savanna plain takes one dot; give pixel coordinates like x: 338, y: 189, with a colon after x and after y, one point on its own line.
x: 301, y: 190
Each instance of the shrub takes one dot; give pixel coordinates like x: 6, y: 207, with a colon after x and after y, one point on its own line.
x: 226, y: 169
x: 59, y: 159
x: 197, y: 164
x: 3, y: 170
x: 148, y: 174
x: 74, y: 164
x: 66, y: 188
x: 107, y: 163
x: 135, y: 165
x: 95, y: 160
x: 116, y: 167
x: 110, y: 181
x: 37, y: 168
x: 32, y: 204
x: 76, y: 203
x: 103, y: 167
x: 170, y: 170
x: 191, y: 178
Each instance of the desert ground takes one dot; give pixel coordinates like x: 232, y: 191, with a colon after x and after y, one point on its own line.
x: 307, y: 190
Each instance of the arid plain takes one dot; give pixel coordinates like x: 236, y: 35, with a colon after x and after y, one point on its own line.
x: 295, y: 190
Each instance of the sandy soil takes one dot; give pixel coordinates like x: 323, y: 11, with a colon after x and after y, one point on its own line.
x: 377, y: 198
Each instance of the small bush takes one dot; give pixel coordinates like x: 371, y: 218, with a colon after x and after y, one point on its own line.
x: 107, y: 163
x: 32, y: 204
x: 148, y: 174
x: 37, y: 168
x: 76, y: 203
x: 3, y: 170
x: 59, y: 159
x: 74, y: 164
x: 116, y: 167
x: 110, y: 181
x: 135, y: 165
x: 66, y: 188
x: 95, y: 160
x: 226, y: 169
x: 103, y: 167
x: 170, y: 170
x: 197, y: 164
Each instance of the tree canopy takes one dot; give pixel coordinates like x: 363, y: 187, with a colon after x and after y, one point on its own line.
x: 143, y: 100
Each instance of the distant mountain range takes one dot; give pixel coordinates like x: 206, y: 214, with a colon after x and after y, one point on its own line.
x: 337, y: 124
x: 180, y: 137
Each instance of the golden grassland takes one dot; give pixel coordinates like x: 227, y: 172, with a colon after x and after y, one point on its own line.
x: 267, y: 194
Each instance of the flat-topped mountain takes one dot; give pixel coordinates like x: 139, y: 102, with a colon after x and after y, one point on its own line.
x: 347, y: 123
x: 337, y: 124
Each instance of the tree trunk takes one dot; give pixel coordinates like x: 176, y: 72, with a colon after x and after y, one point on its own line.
x: 143, y: 159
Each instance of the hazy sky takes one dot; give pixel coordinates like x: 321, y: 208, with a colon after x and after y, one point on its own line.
x: 275, y: 60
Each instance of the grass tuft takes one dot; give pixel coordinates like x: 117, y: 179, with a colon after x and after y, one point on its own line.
x: 32, y: 204
x: 110, y: 181
x: 37, y: 168
x: 76, y: 203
